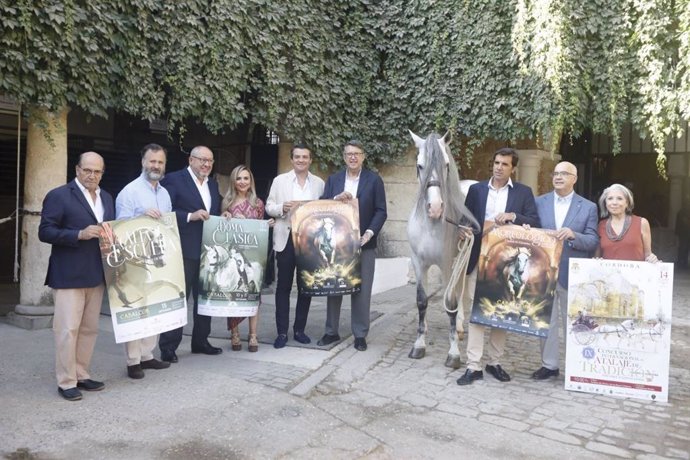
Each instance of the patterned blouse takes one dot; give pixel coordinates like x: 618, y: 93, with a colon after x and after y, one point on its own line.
x: 243, y: 208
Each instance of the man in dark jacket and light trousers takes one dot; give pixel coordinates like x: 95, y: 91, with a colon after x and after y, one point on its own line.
x: 70, y: 222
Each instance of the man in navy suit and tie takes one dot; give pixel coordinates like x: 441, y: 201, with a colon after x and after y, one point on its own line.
x: 502, y: 201
x: 195, y: 197
x: 70, y: 222
x: 575, y: 220
x: 367, y: 187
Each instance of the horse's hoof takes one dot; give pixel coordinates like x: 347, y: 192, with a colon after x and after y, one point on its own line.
x: 453, y: 362
x: 417, y: 353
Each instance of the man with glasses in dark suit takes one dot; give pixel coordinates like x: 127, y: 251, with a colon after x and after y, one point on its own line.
x: 195, y: 197
x: 70, y: 222
x: 355, y: 181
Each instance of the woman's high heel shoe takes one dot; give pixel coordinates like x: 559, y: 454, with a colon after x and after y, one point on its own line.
x: 235, y: 340
x: 253, y: 343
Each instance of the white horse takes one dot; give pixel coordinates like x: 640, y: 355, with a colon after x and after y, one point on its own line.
x: 434, y: 230
x: 516, y: 273
x: 228, y: 272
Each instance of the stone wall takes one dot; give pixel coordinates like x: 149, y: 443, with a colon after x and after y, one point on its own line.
x: 400, y: 181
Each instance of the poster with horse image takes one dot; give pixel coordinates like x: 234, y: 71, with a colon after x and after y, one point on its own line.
x: 144, y: 276
x: 325, y: 234
x: 619, y: 328
x: 233, y: 262
x: 517, y: 274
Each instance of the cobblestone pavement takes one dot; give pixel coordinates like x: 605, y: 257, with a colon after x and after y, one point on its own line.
x: 488, y: 417
x: 306, y: 403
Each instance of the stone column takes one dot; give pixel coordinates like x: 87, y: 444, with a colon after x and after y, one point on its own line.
x: 529, y: 167
x: 46, y: 166
x: 284, y: 148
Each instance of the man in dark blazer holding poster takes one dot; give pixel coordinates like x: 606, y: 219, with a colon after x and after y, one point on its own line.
x: 502, y: 201
x: 367, y: 187
x: 195, y: 197
x: 70, y: 222
x: 575, y: 219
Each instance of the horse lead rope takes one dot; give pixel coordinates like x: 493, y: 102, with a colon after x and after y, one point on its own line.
x: 459, y: 272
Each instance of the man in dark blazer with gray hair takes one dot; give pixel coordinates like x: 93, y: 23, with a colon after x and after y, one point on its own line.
x: 70, y: 222
x: 367, y: 187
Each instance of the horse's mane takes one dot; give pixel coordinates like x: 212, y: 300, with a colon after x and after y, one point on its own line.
x: 453, y: 198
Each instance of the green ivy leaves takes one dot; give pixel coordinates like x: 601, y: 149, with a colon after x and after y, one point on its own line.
x: 324, y: 72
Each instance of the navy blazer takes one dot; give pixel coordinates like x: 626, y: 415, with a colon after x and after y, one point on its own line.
x: 581, y: 219
x: 185, y: 198
x: 372, y: 201
x: 74, y: 263
x: 520, y: 201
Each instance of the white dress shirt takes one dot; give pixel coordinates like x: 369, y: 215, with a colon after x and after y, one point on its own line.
x: 96, y: 207
x: 561, y: 204
x: 301, y: 193
x: 204, y: 191
x: 351, y: 185
x: 497, y: 200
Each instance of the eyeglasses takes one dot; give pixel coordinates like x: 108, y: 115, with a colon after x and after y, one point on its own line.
x: 204, y: 161
x: 91, y: 172
x: 352, y: 154
x: 563, y: 174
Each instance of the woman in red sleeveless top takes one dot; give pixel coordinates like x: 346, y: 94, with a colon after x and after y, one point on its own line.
x: 241, y: 202
x: 623, y: 235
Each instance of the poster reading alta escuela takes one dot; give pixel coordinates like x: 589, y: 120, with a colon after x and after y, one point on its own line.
x: 144, y: 276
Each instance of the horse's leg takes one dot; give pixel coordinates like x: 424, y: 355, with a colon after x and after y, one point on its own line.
x: 456, y: 332
x: 419, y: 348
x: 521, y: 291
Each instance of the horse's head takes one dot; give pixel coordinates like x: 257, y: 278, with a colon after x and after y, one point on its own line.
x: 439, y: 193
x: 433, y: 165
x: 519, y: 258
x: 214, y: 256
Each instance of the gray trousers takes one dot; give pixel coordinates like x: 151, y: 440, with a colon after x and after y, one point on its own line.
x: 361, y: 301
x: 549, y: 346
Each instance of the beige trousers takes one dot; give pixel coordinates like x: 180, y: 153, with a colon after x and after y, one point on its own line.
x: 75, y: 325
x: 140, y: 350
x: 475, y: 332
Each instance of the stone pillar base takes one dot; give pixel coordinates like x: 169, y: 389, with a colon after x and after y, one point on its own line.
x: 31, y: 317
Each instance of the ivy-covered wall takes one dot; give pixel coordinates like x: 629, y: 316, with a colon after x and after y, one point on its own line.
x: 323, y: 72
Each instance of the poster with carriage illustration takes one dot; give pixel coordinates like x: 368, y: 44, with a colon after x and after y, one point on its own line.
x: 619, y: 328
x: 233, y: 262
x: 517, y: 273
x: 325, y: 234
x: 144, y: 276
